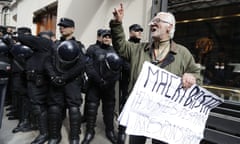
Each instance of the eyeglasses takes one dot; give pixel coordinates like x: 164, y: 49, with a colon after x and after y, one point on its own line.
x: 158, y: 20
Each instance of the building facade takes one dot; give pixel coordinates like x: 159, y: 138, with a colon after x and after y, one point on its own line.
x: 88, y: 15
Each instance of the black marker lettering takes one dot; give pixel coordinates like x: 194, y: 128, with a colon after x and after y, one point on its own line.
x: 150, y: 74
x: 193, y: 92
x: 163, y: 82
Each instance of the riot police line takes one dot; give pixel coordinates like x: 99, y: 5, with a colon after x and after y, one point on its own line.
x: 44, y: 79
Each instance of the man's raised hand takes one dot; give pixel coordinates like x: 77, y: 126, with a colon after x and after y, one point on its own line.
x: 118, y: 13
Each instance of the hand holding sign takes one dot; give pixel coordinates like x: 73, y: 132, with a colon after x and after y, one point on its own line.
x: 188, y: 80
x: 160, y: 108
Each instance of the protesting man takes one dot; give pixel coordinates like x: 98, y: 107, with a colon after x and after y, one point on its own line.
x: 163, y: 52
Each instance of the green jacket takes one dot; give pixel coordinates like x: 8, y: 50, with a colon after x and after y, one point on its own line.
x: 136, y: 54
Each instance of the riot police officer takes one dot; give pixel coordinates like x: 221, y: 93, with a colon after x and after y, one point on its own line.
x: 102, y: 79
x: 67, y: 29
x: 37, y: 82
x: 97, y: 43
x: 64, y: 68
x: 20, y: 55
x: 5, y: 57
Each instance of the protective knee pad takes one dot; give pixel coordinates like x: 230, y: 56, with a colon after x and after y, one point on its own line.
x: 74, y: 110
x: 55, y: 110
x: 92, y: 108
x: 38, y: 109
x: 74, y: 114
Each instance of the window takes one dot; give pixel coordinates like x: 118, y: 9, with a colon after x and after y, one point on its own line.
x: 46, y: 19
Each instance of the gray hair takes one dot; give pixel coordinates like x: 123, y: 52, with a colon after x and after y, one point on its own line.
x: 171, y: 20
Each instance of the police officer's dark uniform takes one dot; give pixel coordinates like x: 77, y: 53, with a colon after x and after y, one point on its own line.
x: 37, y: 82
x: 98, y: 42
x: 66, y: 22
x: 11, y: 101
x: 64, y: 69
x: 102, y: 78
x: 4, y: 75
x: 19, y: 55
x: 124, y: 81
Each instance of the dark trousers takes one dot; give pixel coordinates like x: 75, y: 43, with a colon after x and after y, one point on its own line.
x: 38, y: 97
x: 19, y: 91
x: 107, y: 95
x: 60, y: 98
x: 68, y: 95
x: 123, y: 87
x: 37, y: 94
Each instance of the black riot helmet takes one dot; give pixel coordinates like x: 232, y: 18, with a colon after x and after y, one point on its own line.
x: 23, y: 51
x: 68, y: 51
x: 110, y: 67
x: 3, y: 48
x: 113, y: 61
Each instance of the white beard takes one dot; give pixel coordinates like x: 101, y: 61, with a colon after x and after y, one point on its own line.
x: 156, y: 34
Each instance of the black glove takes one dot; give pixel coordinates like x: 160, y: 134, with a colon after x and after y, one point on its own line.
x: 58, y: 81
x: 103, y: 82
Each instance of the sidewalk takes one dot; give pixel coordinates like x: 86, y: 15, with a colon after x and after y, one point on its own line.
x: 7, y: 137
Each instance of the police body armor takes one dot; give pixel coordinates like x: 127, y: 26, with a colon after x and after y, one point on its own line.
x: 67, y: 54
x: 109, y: 67
x: 66, y: 57
x: 106, y: 64
x: 21, y: 53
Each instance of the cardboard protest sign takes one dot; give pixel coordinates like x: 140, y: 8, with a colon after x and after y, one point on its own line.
x: 158, y: 107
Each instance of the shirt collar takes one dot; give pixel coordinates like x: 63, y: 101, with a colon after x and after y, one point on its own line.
x: 173, y: 47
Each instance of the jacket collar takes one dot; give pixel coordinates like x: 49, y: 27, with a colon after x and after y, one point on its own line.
x: 170, y: 56
x: 173, y: 47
